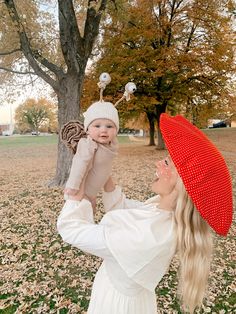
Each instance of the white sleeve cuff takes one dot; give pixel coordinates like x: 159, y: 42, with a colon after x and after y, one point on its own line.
x: 78, y: 210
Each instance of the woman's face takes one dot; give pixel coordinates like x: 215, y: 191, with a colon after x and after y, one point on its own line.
x: 166, y: 177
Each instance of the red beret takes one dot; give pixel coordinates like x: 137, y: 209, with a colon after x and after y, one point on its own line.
x: 202, y: 169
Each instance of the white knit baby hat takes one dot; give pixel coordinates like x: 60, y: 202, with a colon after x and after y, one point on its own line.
x: 106, y: 110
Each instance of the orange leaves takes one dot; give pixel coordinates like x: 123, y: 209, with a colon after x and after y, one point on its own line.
x: 35, y: 114
x: 175, y: 51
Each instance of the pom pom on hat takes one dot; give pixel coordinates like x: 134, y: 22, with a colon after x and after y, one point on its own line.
x: 101, y: 110
x: 202, y: 169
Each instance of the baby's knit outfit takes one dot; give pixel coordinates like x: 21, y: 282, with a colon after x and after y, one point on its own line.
x: 93, y: 161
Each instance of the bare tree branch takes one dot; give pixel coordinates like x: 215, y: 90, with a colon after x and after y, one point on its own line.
x: 51, y: 66
x: 9, y: 52
x: 190, y: 37
x: 25, y: 84
x: 25, y: 45
x: 17, y: 72
x: 75, y: 48
x: 71, y: 41
x: 91, y: 27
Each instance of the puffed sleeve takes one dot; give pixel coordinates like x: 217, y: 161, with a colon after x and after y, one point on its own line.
x: 143, y: 242
x: 76, y: 226
x: 81, y: 163
x: 117, y: 200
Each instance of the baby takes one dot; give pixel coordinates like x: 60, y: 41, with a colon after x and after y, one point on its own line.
x: 97, y: 145
x: 98, y: 148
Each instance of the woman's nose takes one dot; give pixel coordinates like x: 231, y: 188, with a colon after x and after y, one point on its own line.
x: 161, y: 164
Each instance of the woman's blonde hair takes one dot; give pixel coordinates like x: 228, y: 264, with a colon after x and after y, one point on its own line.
x: 194, y: 248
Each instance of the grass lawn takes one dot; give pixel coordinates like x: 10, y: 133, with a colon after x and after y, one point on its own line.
x: 221, y: 133
x: 25, y: 140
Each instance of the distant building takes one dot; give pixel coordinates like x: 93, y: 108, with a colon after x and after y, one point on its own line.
x: 6, y: 129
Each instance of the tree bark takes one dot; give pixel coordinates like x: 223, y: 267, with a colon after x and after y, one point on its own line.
x: 159, y: 110
x: 68, y: 109
x: 151, y: 120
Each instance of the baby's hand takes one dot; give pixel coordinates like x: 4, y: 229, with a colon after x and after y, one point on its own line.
x: 71, y: 192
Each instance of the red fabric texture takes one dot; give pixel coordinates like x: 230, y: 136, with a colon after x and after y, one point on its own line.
x: 203, y: 170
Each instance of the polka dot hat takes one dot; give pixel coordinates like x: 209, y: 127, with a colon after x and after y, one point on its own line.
x: 202, y: 169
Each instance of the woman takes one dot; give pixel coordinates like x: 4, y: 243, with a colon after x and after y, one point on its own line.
x: 137, y: 241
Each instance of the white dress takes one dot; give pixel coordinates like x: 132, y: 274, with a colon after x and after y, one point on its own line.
x: 137, y: 243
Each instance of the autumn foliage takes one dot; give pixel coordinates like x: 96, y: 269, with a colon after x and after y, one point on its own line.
x: 179, y: 53
x: 36, y: 115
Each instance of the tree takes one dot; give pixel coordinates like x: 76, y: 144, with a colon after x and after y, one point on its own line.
x: 28, y: 35
x: 179, y: 52
x: 34, y: 114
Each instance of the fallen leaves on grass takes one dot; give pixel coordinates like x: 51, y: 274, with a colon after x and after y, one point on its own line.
x: 42, y: 274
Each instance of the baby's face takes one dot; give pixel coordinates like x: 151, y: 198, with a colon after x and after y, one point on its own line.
x: 102, y: 131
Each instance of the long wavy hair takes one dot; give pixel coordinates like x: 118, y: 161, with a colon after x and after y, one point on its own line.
x: 194, y: 248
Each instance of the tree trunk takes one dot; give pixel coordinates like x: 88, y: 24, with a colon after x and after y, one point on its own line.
x: 68, y: 109
x: 160, y: 142
x: 151, y: 120
x: 159, y: 110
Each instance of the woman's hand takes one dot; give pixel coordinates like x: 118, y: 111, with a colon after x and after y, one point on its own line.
x: 80, y: 197
x: 109, y: 186
x: 75, y: 197
x: 71, y: 192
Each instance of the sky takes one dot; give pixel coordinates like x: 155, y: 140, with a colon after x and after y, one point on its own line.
x: 6, y: 111
x: 19, y: 95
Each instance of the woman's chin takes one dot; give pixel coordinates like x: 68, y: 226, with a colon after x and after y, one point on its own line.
x: 154, y: 187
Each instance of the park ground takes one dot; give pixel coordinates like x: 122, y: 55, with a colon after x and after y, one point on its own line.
x: 40, y: 273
